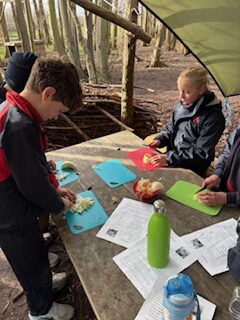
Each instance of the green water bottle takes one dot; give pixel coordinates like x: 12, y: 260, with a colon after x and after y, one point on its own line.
x: 158, y: 237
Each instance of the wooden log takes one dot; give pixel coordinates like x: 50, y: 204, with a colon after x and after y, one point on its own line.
x: 115, y: 119
x: 69, y: 121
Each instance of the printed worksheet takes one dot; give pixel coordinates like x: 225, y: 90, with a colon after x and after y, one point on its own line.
x: 128, y: 223
x: 152, y: 307
x: 133, y: 263
x: 211, y: 245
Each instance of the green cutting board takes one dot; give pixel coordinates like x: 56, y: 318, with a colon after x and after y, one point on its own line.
x: 183, y: 192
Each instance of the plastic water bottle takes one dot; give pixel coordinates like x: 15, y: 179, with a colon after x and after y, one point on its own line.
x: 158, y: 238
x: 180, y: 299
x: 234, y: 305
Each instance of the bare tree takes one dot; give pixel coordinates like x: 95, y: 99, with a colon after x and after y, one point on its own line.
x: 102, y: 46
x: 38, y: 16
x: 15, y: 19
x: 128, y: 65
x: 44, y: 24
x: 170, y: 40
x: 159, y: 39
x: 71, y: 44
x: 4, y: 29
x: 30, y: 25
x: 144, y: 21
x: 22, y: 26
x: 57, y: 40
x: 90, y: 27
x: 90, y: 65
x: 113, y: 36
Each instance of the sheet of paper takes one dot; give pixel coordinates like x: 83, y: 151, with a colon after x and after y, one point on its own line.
x: 211, y: 245
x: 152, y: 307
x: 133, y: 262
x: 127, y: 224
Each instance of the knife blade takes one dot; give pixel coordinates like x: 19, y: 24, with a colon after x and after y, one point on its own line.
x: 199, y: 190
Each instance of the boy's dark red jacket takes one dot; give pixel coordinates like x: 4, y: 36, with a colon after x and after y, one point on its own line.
x: 25, y: 191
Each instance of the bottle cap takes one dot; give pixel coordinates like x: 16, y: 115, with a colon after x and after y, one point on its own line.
x: 159, y: 206
x: 179, y: 295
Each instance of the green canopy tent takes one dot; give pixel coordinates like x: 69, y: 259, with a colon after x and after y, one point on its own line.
x: 210, y: 29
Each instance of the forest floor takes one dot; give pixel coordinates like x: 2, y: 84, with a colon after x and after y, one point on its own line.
x: 163, y: 82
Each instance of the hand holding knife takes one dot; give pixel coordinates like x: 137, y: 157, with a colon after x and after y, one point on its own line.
x: 199, y: 190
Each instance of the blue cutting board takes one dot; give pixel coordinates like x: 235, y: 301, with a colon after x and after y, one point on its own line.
x: 114, y: 173
x: 89, y: 218
x: 72, y: 177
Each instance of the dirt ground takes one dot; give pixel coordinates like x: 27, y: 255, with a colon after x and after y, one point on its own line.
x: 163, y: 81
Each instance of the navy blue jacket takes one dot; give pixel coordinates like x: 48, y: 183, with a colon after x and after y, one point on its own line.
x: 25, y: 189
x: 228, y: 168
x: 192, y: 134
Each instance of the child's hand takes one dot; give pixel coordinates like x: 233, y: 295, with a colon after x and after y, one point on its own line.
x: 52, y: 165
x: 67, y: 203
x: 212, y: 198
x: 158, y: 160
x: 67, y: 194
x: 154, y: 144
x: 212, y: 181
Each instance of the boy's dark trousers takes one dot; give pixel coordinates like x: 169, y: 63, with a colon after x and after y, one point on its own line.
x: 27, y: 255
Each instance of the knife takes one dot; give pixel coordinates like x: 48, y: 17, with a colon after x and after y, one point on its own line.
x: 199, y: 190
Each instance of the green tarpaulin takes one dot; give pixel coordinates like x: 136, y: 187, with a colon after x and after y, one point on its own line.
x: 211, y: 30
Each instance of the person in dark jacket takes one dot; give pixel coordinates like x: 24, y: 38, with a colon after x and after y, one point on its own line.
x: 226, y: 176
x: 195, y: 126
x: 17, y: 73
x: 25, y: 189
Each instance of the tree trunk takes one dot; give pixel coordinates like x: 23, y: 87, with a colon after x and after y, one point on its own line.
x: 110, y: 16
x: 60, y: 24
x: 15, y: 19
x: 44, y: 24
x: 159, y: 39
x: 113, y: 36
x: 170, y: 40
x: 4, y: 29
x: 89, y: 24
x: 58, y: 42
x: 22, y: 26
x: 145, y: 17
x: 71, y: 44
x: 88, y: 57
x: 102, y: 47
x: 128, y: 65
x: 38, y: 24
x: 30, y: 25
x: 173, y: 41
x: 3, y: 23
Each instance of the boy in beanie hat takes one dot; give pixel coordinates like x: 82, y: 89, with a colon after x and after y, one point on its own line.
x: 18, y: 70
x: 25, y: 190
x: 17, y: 73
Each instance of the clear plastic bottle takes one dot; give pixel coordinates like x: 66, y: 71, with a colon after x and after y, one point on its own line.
x: 179, y: 299
x: 158, y: 238
x: 234, y: 305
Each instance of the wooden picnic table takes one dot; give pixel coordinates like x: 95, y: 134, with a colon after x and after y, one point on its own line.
x: 110, y: 293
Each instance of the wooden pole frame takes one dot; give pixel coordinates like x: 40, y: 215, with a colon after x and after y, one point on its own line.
x: 114, y: 18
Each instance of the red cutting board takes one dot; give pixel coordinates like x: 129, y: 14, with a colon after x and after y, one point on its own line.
x: 136, y: 157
